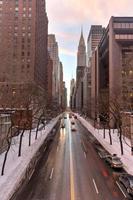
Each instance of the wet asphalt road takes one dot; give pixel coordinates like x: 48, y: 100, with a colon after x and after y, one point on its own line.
x: 71, y: 170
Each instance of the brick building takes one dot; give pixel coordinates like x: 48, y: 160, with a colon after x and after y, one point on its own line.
x: 23, y: 53
x: 23, y: 44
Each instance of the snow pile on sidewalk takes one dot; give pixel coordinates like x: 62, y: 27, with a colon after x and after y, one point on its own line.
x: 127, y: 158
x: 16, y: 166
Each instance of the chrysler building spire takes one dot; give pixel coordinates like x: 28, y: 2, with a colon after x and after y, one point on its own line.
x: 81, y: 55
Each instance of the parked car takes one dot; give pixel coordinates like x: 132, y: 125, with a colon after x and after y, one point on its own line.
x: 101, y: 151
x: 75, y: 116
x: 114, y: 161
x: 127, y: 181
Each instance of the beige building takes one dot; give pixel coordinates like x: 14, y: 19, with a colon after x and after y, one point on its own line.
x: 113, y: 64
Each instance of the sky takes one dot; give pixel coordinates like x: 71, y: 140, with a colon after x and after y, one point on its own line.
x: 66, y: 17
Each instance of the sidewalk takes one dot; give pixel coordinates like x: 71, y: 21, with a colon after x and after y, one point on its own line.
x: 127, y: 158
x: 16, y: 166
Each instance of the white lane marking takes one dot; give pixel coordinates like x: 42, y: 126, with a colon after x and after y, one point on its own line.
x: 121, y: 189
x: 51, y: 174
x: 83, y: 146
x: 84, y: 154
x: 31, y: 174
x: 95, y: 186
x: 72, y: 186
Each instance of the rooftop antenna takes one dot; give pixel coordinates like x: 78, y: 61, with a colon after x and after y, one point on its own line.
x: 82, y: 30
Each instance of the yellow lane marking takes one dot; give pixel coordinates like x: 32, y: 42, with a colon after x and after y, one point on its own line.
x: 72, y: 178
x: 71, y: 169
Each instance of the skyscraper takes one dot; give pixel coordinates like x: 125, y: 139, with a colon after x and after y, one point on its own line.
x: 23, y: 43
x: 81, y: 55
x: 94, y: 37
x: 112, y: 66
x: 81, y: 58
x: 54, y: 55
x: 72, y: 93
x: 81, y: 64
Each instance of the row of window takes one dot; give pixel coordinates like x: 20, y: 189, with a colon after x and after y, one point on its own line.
x: 124, y: 36
x: 16, y: 1
x: 127, y: 72
x: 17, y: 9
x: 123, y: 25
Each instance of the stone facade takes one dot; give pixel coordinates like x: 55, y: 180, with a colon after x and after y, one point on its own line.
x: 112, y: 65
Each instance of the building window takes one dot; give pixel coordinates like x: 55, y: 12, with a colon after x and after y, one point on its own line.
x: 28, y: 53
x: 28, y: 66
x: 22, y: 53
x: 16, y: 9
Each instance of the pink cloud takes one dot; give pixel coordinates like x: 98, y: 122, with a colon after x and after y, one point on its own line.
x: 67, y: 52
x: 66, y: 14
x: 77, y: 11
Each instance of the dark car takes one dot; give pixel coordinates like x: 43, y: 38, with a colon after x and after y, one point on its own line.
x: 114, y: 161
x: 70, y: 115
x: 72, y: 122
x: 101, y: 151
x: 127, y: 181
x: 62, y: 125
x: 75, y: 116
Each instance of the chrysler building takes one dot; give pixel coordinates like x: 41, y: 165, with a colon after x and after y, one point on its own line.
x: 81, y: 55
x: 81, y: 58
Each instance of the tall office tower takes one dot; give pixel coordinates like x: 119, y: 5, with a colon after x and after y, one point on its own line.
x: 64, y: 100
x: 81, y: 55
x: 49, y: 81
x: 112, y: 78
x: 95, y: 35
x: 72, y: 93
x: 53, y: 52
x: 81, y: 64
x: 61, y: 85
x: 23, y: 43
x: 81, y: 58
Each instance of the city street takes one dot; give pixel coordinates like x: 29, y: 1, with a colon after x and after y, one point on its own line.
x: 72, y: 171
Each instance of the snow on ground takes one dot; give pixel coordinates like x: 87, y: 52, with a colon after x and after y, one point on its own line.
x: 16, y: 166
x: 127, y: 158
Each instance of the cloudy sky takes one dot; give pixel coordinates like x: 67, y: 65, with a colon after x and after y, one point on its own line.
x: 66, y: 17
